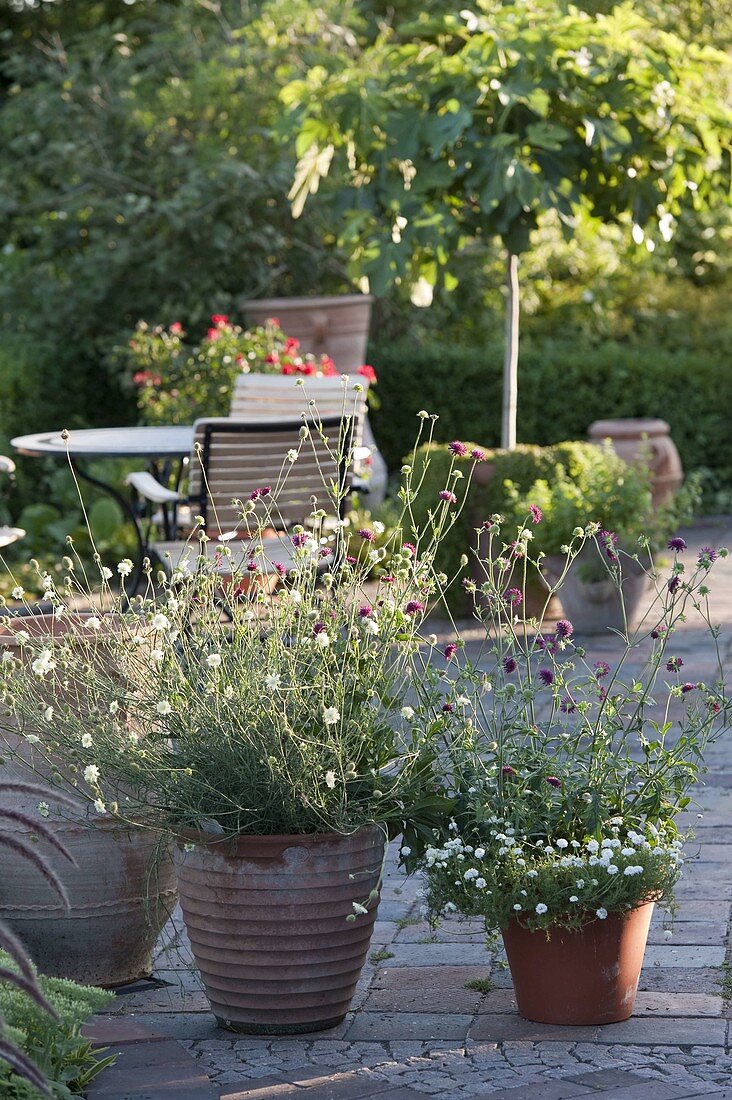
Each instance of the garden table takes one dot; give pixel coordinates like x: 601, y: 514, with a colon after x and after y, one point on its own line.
x: 159, y: 446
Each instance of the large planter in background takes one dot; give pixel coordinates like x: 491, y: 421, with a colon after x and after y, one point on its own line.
x: 267, y: 920
x: 648, y: 442
x: 595, y: 605
x: 121, y: 890
x: 335, y: 325
x: 587, y: 977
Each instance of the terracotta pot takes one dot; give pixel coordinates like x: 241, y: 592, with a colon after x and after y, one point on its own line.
x: 595, y: 607
x: 122, y: 892
x: 266, y: 917
x: 122, y: 889
x: 336, y: 325
x: 649, y: 442
x: 585, y: 977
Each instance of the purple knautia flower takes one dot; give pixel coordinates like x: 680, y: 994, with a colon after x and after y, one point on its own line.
x: 450, y: 650
x: 447, y: 708
x: 366, y: 534
x: 458, y: 448
x: 299, y: 540
x: 567, y: 705
x: 510, y: 664
x: 350, y: 560
x: 365, y: 610
x: 514, y: 596
x: 546, y: 645
x: 325, y: 552
x: 602, y: 668
x: 388, y: 579
x: 255, y: 494
x: 410, y: 548
x: 252, y: 566
x: 414, y: 607
x: 280, y: 568
x: 564, y: 628
x: 609, y: 541
x: 706, y: 556
x: 659, y: 631
x: 686, y: 688
x: 507, y: 771
x: 676, y: 544
x: 714, y: 706
x: 477, y: 454
x: 468, y: 584
x: 602, y: 694
x: 673, y: 664
x: 553, y: 781
x: 674, y: 583
x: 265, y: 490
x: 318, y: 628
x: 546, y: 676
x: 536, y: 513
x: 445, y: 494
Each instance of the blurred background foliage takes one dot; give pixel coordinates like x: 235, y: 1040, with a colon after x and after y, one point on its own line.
x: 144, y: 175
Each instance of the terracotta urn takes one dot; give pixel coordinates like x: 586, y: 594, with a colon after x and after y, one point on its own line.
x: 335, y: 325
x: 649, y: 442
x: 280, y: 925
x: 585, y: 977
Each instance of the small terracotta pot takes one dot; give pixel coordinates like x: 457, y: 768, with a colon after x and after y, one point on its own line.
x: 266, y: 917
x: 585, y: 977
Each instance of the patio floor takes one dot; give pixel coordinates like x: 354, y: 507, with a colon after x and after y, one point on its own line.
x: 418, y: 1029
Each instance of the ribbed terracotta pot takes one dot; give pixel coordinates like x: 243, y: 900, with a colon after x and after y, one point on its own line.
x: 585, y: 977
x: 266, y: 917
x: 121, y: 893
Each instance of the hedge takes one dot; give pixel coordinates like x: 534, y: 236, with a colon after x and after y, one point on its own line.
x: 563, y: 387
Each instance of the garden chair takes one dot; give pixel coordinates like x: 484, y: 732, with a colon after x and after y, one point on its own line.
x: 231, y: 459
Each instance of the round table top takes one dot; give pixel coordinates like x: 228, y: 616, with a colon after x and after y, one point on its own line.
x: 169, y: 441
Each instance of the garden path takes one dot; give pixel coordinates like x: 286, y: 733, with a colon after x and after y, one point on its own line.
x: 419, y: 1028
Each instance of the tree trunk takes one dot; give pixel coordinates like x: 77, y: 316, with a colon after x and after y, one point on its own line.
x: 510, y: 355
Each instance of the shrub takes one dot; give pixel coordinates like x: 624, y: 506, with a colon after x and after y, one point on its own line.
x: 57, y: 1047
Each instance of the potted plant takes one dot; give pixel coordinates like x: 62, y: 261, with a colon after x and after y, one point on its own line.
x: 272, y: 735
x: 567, y: 781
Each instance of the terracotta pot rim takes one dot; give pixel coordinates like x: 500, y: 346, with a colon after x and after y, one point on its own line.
x: 296, y: 300
x: 198, y: 836
x: 613, y: 914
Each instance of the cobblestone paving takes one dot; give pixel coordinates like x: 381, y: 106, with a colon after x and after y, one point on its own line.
x: 418, y: 1027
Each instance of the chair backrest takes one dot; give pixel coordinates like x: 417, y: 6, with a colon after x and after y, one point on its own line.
x: 234, y: 457
x: 271, y: 395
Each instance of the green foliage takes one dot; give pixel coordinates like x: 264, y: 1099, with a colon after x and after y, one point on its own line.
x: 56, y: 1046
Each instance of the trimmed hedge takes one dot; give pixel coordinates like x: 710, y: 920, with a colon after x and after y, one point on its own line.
x: 564, y: 385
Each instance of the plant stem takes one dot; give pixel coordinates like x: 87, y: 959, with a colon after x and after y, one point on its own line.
x: 510, y: 355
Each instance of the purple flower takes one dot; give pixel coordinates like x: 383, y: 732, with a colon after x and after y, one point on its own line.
x: 414, y: 607
x: 546, y: 676
x: 510, y: 665
x: 507, y: 771
x: 280, y: 568
x: 477, y: 454
x: 468, y: 584
x: 676, y: 544
x: 673, y: 664
x: 318, y: 628
x: 325, y: 552
x: 659, y: 631
x: 350, y: 560
x: 706, y: 556
x: 458, y: 448
x: 686, y: 688
x: 609, y: 541
x: 567, y: 705
x: 445, y: 494
x: 388, y: 579
x: 514, y: 596
x: 553, y: 781
x: 365, y: 610
x: 252, y: 566
x: 366, y: 534
x: 674, y: 583
x: 299, y: 540
x: 602, y: 668
x: 447, y: 708
x: 450, y: 650
x: 536, y: 513
x: 410, y: 548
x: 564, y: 628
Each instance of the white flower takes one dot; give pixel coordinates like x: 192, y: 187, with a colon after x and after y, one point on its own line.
x: 163, y: 707
x: 480, y: 884
x: 91, y: 773
x: 113, y: 707
x: 32, y: 739
x: 330, y: 779
x: 160, y: 622
x: 601, y: 913
x: 517, y: 907
x: 360, y: 909
x: 574, y: 898
x: 228, y: 692
x: 213, y: 660
x: 592, y: 846
x: 48, y: 714
x: 471, y: 873
x: 378, y: 527
x: 479, y: 853
x: 408, y: 713
x: 562, y: 843
x: 370, y: 626
x: 541, y: 908
x: 272, y: 682
x: 87, y: 740
x: 99, y: 806
x: 462, y: 701
x: 18, y: 593
x: 7, y: 657
x: 579, y: 883
x: 667, y: 934
x: 331, y: 715
x: 611, y: 869
x: 406, y: 851
x: 106, y: 573
x: 156, y: 656
x: 43, y: 663
x: 632, y: 870
x: 43, y: 809
x: 322, y: 639
x: 124, y: 567
x: 295, y: 596
x: 94, y: 623
x: 628, y: 851
x: 292, y: 455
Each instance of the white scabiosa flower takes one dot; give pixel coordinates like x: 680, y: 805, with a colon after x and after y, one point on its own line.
x: 213, y: 660
x: 272, y: 681
x: 18, y: 593
x: 479, y: 853
x: 99, y: 806
x: 322, y: 639
x: 331, y: 715
x: 113, y: 707
x: 91, y: 773
x: 94, y: 623
x: 632, y: 870
x: 541, y: 908
x: 405, y: 851
x: 292, y: 455
x: 43, y: 809
x: 562, y: 843
x: 44, y: 663
x: 480, y: 884
x: 611, y: 869
x: 156, y: 656
x: 125, y: 567
x: 160, y: 622
x: 163, y: 707
x: 330, y: 779
x: 574, y: 898
x: 601, y: 913
x: 86, y: 741
x: 408, y: 713
x: 106, y: 573
x: 48, y: 714
x: 32, y: 739
x: 359, y: 909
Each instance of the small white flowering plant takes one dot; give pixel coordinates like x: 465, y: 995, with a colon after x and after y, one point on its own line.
x: 213, y: 702
x: 568, y: 772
